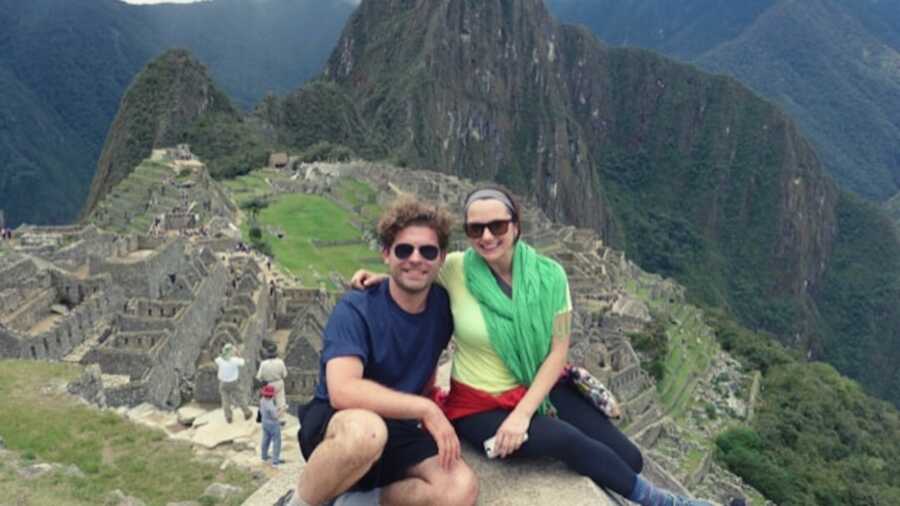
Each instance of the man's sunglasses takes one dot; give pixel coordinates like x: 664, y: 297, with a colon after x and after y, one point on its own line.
x: 429, y: 251
x: 497, y: 228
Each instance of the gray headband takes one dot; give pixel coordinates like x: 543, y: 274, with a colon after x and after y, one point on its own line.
x: 490, y: 194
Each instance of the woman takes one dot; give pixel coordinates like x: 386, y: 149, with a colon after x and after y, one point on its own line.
x: 512, y: 316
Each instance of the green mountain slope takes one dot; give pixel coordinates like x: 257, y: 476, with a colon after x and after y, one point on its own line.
x: 64, y: 65
x: 24, y: 179
x: 75, y: 58
x: 692, y: 174
x: 158, y: 110
x: 832, y: 64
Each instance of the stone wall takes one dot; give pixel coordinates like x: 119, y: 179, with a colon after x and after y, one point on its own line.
x: 146, y: 277
x: 73, y: 291
x: 35, y: 309
x: 130, y: 323
x: 175, y: 362
x: 19, y: 274
x: 245, y: 321
x: 10, y: 345
x: 69, y: 331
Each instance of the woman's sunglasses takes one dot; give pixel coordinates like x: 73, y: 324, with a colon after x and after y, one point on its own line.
x: 429, y: 251
x: 497, y: 228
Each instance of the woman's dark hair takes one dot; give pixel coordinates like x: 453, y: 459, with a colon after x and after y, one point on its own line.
x: 500, y: 195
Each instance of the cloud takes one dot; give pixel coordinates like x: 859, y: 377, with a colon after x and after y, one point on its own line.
x: 141, y: 2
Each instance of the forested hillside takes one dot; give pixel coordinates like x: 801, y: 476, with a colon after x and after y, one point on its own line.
x: 65, y: 64
x: 691, y: 174
x: 833, y: 65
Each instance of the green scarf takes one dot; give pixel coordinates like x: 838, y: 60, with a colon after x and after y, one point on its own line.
x: 521, y: 329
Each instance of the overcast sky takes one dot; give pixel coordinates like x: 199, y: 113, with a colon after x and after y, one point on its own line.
x: 159, y: 1
x: 353, y: 2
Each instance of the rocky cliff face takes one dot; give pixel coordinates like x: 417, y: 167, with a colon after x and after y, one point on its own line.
x: 160, y: 105
x: 691, y: 173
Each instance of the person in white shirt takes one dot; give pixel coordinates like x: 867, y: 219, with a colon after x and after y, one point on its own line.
x: 229, y: 364
x: 272, y: 371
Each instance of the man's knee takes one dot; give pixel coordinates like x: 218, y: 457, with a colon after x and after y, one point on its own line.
x: 460, y: 487
x: 362, y: 433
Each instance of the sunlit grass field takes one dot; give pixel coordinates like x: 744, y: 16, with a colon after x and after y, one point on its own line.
x: 42, y: 424
x: 305, y: 219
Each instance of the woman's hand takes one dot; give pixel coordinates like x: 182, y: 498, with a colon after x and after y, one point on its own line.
x: 363, y: 279
x: 511, y: 434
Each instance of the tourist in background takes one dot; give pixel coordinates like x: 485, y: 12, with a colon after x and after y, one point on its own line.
x: 512, y: 315
x: 271, y: 429
x: 272, y: 371
x: 229, y: 365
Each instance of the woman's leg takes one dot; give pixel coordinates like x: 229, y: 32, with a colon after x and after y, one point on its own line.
x: 575, y: 409
x: 558, y: 439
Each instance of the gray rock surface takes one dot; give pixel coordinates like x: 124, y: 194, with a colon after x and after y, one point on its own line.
x: 73, y: 471
x: 222, y: 490
x: 187, y: 414
x: 35, y: 471
x: 118, y: 498
x: 534, y: 483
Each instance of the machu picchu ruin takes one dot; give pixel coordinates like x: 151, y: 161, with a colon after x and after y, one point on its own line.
x: 147, y: 291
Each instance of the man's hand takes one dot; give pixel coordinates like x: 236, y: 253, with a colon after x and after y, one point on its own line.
x: 444, y: 435
x: 363, y: 279
x: 511, y: 434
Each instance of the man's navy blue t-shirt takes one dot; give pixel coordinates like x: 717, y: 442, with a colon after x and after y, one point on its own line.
x: 398, y: 350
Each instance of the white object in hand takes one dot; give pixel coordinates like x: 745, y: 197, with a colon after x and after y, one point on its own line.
x: 489, y: 446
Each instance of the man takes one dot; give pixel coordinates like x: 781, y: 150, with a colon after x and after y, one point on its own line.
x: 369, y: 425
x: 272, y: 371
x: 229, y: 365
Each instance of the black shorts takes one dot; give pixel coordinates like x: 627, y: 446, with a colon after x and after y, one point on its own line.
x: 406, y: 446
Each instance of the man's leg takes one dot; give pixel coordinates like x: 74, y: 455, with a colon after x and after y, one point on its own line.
x: 430, y: 484
x: 353, y: 442
x: 240, y: 400
x: 225, y: 397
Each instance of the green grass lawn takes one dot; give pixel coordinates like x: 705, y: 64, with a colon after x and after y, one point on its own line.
x: 304, y: 219
x: 42, y: 425
x: 690, y: 354
x: 252, y: 185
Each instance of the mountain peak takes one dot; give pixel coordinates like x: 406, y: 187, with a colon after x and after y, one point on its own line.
x: 692, y: 174
x: 159, y: 105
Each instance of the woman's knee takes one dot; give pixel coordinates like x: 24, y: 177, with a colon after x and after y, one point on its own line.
x: 633, y: 457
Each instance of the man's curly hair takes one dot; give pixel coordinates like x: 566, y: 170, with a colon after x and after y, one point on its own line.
x: 407, y: 210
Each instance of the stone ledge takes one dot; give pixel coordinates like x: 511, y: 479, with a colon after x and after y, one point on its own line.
x: 532, y: 483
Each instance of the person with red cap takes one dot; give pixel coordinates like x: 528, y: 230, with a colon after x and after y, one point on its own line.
x: 271, y: 435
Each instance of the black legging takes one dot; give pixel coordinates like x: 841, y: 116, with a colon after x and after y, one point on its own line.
x: 582, y: 437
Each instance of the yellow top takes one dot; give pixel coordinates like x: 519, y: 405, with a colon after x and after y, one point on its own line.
x: 475, y: 362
